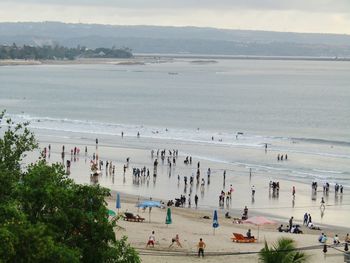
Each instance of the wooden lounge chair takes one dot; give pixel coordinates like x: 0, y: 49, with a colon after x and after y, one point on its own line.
x: 239, y: 238
x: 130, y: 217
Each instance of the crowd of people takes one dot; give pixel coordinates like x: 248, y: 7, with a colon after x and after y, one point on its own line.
x: 188, y: 199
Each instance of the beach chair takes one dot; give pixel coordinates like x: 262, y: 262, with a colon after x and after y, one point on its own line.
x: 239, y: 238
x: 139, y: 218
x: 130, y: 217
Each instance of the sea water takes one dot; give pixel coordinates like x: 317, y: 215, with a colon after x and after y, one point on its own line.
x: 299, y: 108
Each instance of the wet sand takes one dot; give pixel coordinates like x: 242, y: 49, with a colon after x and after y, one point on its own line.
x: 189, y: 222
x: 166, y: 186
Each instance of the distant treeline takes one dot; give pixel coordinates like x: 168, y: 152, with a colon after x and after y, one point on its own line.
x: 57, y: 52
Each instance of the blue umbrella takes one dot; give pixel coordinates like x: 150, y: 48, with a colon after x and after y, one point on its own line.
x: 150, y: 204
x: 145, y: 204
x: 215, y: 220
x: 117, y: 205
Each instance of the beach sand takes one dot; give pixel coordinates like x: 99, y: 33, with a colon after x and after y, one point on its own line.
x: 189, y: 222
x: 191, y: 226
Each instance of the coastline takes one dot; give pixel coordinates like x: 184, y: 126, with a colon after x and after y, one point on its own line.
x: 142, y: 58
x: 279, y: 209
x: 189, y: 222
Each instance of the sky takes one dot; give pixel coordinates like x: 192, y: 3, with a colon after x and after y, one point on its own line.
x: 319, y: 16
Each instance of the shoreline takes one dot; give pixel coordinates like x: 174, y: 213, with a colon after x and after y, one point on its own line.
x: 143, y: 58
x: 279, y: 209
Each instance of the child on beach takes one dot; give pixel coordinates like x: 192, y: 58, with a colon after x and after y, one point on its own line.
x: 151, y: 240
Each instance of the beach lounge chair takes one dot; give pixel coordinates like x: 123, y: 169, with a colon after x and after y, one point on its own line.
x: 239, y: 238
x: 130, y: 217
x: 139, y: 218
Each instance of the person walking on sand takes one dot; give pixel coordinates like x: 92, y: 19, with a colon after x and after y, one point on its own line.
x: 151, y: 240
x: 196, y: 200
x: 201, y: 246
x: 322, y: 206
x: 293, y: 191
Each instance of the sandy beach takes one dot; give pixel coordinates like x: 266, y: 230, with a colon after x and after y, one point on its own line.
x: 189, y: 222
x: 191, y: 226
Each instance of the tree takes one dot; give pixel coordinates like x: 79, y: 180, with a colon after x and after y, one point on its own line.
x: 46, y: 217
x: 16, y: 141
x: 284, y: 251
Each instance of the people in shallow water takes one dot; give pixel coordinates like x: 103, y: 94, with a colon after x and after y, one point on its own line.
x: 280, y: 157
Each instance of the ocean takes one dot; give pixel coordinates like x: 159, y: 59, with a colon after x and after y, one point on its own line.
x: 299, y: 108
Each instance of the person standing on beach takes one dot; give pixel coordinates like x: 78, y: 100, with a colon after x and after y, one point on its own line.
x: 306, y: 219
x: 196, y: 200
x: 290, y: 223
x: 201, y: 246
x: 293, y: 191
x: 253, y: 190
x: 151, y: 240
x: 309, y: 219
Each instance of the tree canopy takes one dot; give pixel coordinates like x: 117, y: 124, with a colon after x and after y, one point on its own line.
x: 56, y: 52
x: 45, y: 216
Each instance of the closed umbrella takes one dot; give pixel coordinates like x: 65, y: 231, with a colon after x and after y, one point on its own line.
x: 117, y: 205
x: 215, y: 220
x: 168, y: 220
x: 149, y: 204
x: 259, y: 221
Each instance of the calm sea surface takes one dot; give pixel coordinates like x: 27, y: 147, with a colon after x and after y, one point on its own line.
x: 297, y: 107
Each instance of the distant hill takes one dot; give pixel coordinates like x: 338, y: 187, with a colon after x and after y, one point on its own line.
x: 177, y: 40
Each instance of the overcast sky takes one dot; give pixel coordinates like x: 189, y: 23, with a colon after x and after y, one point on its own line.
x: 329, y: 16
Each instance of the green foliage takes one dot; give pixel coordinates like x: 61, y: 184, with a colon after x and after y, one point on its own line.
x: 16, y: 141
x: 46, y: 217
x: 57, y: 52
x: 284, y: 251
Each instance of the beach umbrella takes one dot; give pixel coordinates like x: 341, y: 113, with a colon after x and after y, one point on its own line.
x: 168, y: 220
x: 111, y: 213
x: 117, y: 205
x: 259, y: 221
x: 149, y: 204
x: 215, y: 220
